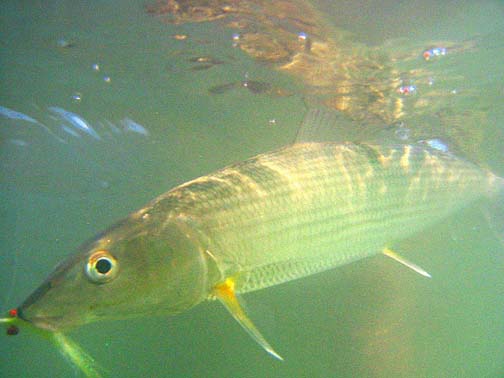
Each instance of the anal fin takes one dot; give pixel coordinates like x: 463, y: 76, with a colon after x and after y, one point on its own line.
x: 388, y: 252
x: 225, y: 292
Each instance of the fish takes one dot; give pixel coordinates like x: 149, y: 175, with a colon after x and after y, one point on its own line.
x: 254, y: 86
x: 70, y: 131
x: 276, y: 217
x: 204, y: 62
x: 75, y: 121
x: 223, y: 88
x: 132, y: 126
x: 15, y: 115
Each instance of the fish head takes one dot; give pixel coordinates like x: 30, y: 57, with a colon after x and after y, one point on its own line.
x: 136, y: 268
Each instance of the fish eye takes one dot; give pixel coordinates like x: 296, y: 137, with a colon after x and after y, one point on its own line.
x: 101, y: 267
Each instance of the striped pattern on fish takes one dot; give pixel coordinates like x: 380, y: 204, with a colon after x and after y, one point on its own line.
x: 273, y: 218
x: 314, y: 206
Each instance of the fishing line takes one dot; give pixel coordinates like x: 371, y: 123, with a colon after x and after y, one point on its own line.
x: 13, y: 281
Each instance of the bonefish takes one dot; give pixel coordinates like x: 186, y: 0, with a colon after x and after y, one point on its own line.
x: 276, y: 217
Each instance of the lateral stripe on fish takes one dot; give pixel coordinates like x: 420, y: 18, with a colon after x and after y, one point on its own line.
x: 274, y: 218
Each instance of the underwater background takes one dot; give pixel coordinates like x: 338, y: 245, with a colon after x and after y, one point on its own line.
x: 105, y: 105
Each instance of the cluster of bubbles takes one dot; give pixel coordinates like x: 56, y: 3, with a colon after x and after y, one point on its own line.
x: 64, y: 43
x: 407, y: 87
x: 77, y: 96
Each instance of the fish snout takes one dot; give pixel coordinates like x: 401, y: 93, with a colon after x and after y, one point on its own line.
x: 39, y: 309
x: 49, y: 323
x: 32, y: 310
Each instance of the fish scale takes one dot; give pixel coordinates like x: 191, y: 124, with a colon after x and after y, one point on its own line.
x: 277, y: 217
x: 314, y: 206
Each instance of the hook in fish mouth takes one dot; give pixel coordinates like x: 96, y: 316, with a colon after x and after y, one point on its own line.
x: 49, y: 323
x: 72, y: 351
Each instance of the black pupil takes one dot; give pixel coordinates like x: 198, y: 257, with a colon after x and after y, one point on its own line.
x: 103, y: 266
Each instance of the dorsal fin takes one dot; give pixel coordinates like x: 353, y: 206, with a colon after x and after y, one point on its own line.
x: 326, y: 125
x: 321, y: 125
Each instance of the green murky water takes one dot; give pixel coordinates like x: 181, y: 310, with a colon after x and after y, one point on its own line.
x: 157, y: 126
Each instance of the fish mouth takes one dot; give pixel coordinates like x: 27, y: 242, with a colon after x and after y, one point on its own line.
x: 48, y: 323
x: 40, y: 308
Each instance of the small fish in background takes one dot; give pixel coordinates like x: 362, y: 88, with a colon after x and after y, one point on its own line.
x: 253, y: 86
x: 204, y: 62
x: 12, y: 114
x: 131, y: 126
x: 75, y: 121
x: 223, y: 88
x: 70, y: 131
x: 64, y: 147
x: 257, y: 87
x: 18, y: 116
x: 276, y: 217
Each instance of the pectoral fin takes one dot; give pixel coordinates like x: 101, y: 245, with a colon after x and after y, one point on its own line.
x: 226, y: 294
x: 402, y: 260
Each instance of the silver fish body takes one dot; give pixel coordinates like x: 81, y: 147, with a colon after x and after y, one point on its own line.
x: 314, y: 206
x: 273, y: 218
